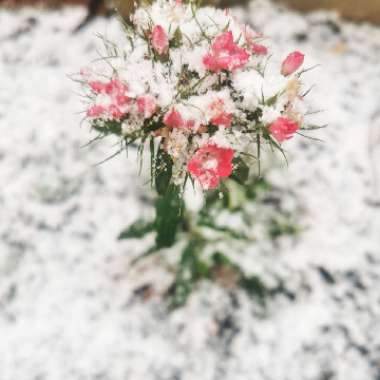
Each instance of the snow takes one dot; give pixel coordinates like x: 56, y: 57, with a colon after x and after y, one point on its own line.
x: 71, y: 306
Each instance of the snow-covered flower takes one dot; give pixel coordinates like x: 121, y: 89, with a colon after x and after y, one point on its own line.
x: 225, y: 54
x: 146, y: 105
x: 96, y: 111
x: 252, y: 38
x: 200, y: 87
x: 173, y: 119
x: 283, y: 128
x: 112, y: 99
x: 211, y: 163
x: 219, y: 116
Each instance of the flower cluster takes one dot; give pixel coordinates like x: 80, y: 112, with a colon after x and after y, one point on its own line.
x: 199, y: 88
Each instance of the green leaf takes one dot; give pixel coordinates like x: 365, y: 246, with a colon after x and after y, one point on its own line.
x: 176, y: 41
x: 272, y: 100
x: 236, y: 194
x: 258, y: 187
x: 255, y: 288
x: 209, y: 223
x: 169, y: 209
x: 163, y: 171
x: 312, y: 127
x: 147, y: 253
x: 113, y: 127
x: 241, y: 170
x: 258, y: 142
x: 279, y: 227
x: 253, y: 285
x: 137, y: 230
x: 108, y: 127
x: 191, y: 269
x: 152, y: 160
x: 220, y: 259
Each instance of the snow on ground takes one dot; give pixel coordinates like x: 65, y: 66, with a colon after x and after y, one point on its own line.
x: 69, y: 308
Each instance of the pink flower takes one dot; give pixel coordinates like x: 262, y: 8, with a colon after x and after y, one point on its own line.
x: 173, y: 119
x: 190, y: 124
x: 95, y: 111
x: 160, y: 40
x: 258, y: 49
x: 219, y: 116
x: 292, y: 63
x: 225, y: 54
x: 118, y: 94
x: 146, y: 106
x: 97, y: 86
x: 116, y: 87
x: 283, y: 128
x: 211, y: 163
x: 250, y: 37
x: 115, y: 112
x: 122, y: 100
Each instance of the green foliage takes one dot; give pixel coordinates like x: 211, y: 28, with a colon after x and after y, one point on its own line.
x: 253, y: 285
x: 108, y: 127
x: 258, y: 187
x: 233, y: 196
x: 137, y: 230
x: 169, y: 209
x: 271, y: 101
x: 190, y: 270
x: 241, y: 171
x: 176, y: 41
x: 163, y: 172
x: 255, y: 288
x: 172, y: 225
x: 207, y: 221
x: 282, y: 225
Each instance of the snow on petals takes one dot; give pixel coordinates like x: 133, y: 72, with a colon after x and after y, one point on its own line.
x: 173, y: 119
x: 219, y: 116
x: 96, y: 111
x: 292, y: 63
x: 225, y: 54
x: 283, y: 128
x: 97, y: 86
x: 146, y: 106
x: 160, y: 40
x: 192, y: 81
x: 111, y: 99
x: 250, y: 37
x: 209, y: 164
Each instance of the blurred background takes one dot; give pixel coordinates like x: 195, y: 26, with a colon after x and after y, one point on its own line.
x: 71, y: 305
x: 365, y: 10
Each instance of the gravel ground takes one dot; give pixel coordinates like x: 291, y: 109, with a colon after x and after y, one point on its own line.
x: 71, y: 307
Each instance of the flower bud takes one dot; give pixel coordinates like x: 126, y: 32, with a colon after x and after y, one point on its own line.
x: 160, y: 40
x: 292, y: 63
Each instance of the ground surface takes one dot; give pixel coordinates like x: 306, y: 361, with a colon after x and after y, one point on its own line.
x: 69, y: 308
x: 364, y: 10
